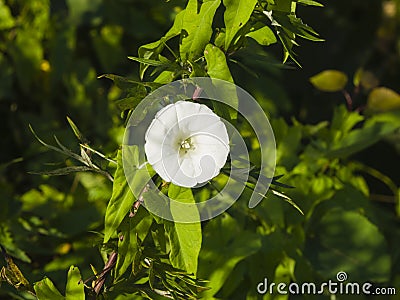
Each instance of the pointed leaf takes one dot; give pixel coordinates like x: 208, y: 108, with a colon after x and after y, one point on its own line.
x: 121, y: 200
x: 135, y: 227
x: 46, y: 290
x: 263, y: 35
x: 75, y: 288
x: 76, y: 131
x: 197, y: 28
x: 310, y: 3
x: 185, y: 238
x: 217, y: 67
x: 236, y: 15
x: 152, y: 50
x: 150, y: 62
x: 63, y: 171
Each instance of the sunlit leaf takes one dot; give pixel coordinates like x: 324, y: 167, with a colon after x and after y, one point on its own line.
x: 6, y: 18
x: 121, y: 200
x: 329, y: 81
x: 75, y: 288
x: 146, y: 61
x: 263, y: 35
x: 197, y: 25
x: 217, y: 67
x: 236, y: 15
x: 309, y: 2
x: 383, y: 99
x: 46, y: 290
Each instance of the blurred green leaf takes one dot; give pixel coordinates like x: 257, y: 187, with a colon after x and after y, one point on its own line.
x: 27, y: 54
x: 7, y: 241
x: 152, y: 50
x: 383, y: 99
x: 343, y: 121
x: 329, y: 81
x: 75, y: 288
x: 361, y: 252
x: 6, y: 18
x: 63, y: 171
x: 236, y: 15
x: 366, y: 79
x: 233, y: 244
x: 361, y: 138
x: 81, y: 10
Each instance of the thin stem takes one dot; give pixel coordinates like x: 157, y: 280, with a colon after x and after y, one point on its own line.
x: 349, y: 100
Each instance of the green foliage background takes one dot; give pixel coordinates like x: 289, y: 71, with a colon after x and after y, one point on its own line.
x: 343, y: 164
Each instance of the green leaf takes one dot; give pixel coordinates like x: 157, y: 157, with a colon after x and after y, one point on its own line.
x: 287, y: 39
x: 262, y: 35
x: 185, y: 238
x: 309, y: 2
x: 233, y: 244
x: 383, y: 99
x: 374, y: 129
x: 75, y: 288
x: 121, y: 200
x: 27, y: 54
x: 149, y: 62
x: 362, y: 251
x: 365, y: 78
x: 152, y: 50
x: 76, y: 131
x: 129, y: 102
x: 135, y: 228
x: 63, y: 171
x: 297, y: 26
x: 6, y: 18
x: 7, y: 241
x: 130, y: 85
x: 236, y: 15
x: 343, y: 120
x: 280, y: 5
x: 46, y: 290
x: 197, y: 28
x: 329, y: 81
x: 217, y: 67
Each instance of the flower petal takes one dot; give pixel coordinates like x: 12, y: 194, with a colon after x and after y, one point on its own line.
x: 205, y: 135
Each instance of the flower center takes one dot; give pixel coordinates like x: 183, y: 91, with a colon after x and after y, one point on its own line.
x: 186, y: 145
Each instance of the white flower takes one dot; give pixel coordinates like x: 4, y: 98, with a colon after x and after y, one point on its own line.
x: 186, y: 143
